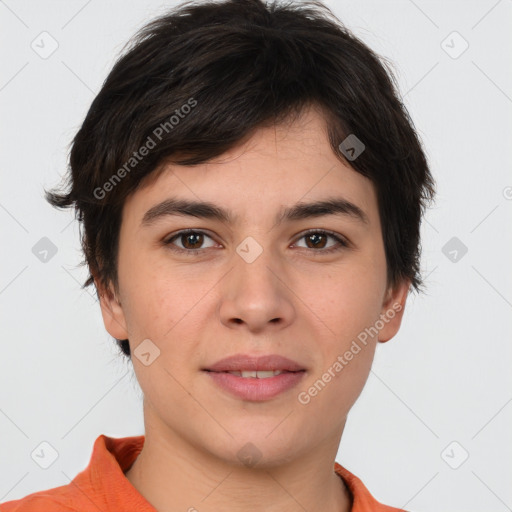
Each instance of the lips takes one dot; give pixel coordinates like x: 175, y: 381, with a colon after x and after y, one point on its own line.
x: 247, y: 363
x: 257, y: 389
x: 261, y: 374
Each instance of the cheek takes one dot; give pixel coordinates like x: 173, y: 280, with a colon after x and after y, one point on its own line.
x: 344, y: 302
x: 162, y: 302
x: 332, y: 391
x: 347, y: 347
x: 147, y: 293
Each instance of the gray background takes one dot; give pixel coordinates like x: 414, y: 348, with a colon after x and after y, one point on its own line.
x: 438, y: 392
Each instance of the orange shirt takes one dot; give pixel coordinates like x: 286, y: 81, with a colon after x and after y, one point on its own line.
x: 103, y: 487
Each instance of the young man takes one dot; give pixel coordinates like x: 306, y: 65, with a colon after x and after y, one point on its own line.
x: 251, y: 190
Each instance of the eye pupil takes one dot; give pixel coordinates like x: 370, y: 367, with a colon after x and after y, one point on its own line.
x: 195, y: 238
x: 315, y: 239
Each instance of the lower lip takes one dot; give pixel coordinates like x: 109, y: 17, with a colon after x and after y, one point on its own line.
x: 254, y: 389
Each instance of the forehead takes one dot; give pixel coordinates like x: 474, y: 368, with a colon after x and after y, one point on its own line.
x: 277, y: 165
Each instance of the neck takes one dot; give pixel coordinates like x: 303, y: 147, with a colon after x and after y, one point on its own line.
x: 174, y: 476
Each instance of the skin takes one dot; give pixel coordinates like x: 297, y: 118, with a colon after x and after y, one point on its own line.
x: 293, y: 300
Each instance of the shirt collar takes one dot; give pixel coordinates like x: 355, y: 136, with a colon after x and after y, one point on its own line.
x: 112, y: 457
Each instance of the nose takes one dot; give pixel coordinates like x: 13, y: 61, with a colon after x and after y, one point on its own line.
x: 255, y: 295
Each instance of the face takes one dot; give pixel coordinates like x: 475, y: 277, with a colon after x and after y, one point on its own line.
x: 269, y: 278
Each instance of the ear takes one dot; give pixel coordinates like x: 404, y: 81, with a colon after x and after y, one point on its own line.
x: 111, y: 310
x: 392, y: 310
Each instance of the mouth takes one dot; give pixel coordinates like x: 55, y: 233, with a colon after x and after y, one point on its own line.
x: 258, y: 366
x: 256, y: 374
x: 256, y: 385
x: 255, y: 377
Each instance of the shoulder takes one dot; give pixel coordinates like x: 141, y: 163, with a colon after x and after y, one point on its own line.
x: 101, y: 486
x: 362, y: 500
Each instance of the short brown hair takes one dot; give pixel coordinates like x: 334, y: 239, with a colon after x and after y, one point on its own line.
x: 208, y: 74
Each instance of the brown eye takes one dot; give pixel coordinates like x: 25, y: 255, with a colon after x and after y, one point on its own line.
x: 317, y: 240
x: 188, y: 241
x: 192, y: 240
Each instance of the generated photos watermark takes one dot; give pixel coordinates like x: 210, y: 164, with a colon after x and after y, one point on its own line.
x: 150, y: 143
x: 304, y: 397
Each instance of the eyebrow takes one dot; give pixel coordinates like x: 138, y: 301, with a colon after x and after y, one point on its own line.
x: 206, y: 210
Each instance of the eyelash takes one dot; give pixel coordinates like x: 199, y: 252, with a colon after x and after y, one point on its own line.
x: 343, y: 244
